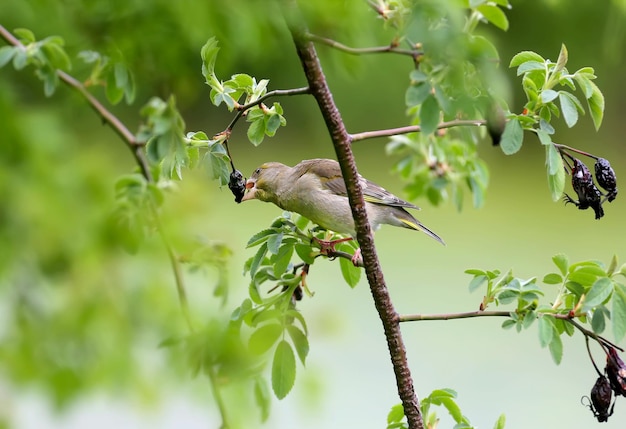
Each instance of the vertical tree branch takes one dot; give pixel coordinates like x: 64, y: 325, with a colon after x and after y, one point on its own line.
x: 341, y: 141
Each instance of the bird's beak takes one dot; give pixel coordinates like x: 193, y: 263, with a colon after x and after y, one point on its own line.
x: 251, y: 187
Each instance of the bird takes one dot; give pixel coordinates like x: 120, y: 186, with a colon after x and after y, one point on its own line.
x: 315, y: 189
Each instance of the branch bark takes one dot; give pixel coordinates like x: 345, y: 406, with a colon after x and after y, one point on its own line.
x: 342, y: 143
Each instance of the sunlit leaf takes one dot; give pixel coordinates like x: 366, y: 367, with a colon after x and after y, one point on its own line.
x: 283, y: 369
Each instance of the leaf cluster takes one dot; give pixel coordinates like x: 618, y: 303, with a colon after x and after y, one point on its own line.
x: 445, y: 398
x: 440, y: 164
x: 46, y: 55
x: 589, y: 293
x: 242, y: 92
x: 544, y: 83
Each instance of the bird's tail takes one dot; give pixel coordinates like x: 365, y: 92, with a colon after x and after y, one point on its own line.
x: 418, y: 226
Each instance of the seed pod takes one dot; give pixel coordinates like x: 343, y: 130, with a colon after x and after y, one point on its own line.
x: 616, y: 371
x: 606, y: 178
x: 601, y: 397
x: 588, y: 194
x: 237, y: 185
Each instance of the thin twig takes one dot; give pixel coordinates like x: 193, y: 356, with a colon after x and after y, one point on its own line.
x: 242, y: 108
x: 392, y: 48
x: 470, y: 314
x: 452, y: 316
x: 415, y: 129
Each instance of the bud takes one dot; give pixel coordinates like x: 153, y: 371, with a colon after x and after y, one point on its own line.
x: 616, y: 371
x: 606, y: 178
x: 588, y: 194
x: 601, y: 397
x: 237, y: 185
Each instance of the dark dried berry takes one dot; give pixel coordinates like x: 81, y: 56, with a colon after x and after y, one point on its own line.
x: 237, y: 185
x: 588, y: 194
x: 616, y: 371
x: 601, y: 397
x: 495, y: 123
x: 606, y: 178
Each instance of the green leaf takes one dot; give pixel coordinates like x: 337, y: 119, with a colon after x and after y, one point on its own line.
x: 283, y: 258
x: 256, y: 131
x: 262, y: 397
x: 6, y: 54
x: 260, y: 237
x: 283, y: 370
x: 429, y: 115
x: 548, y: 95
x: 596, y: 105
x: 553, y: 279
x: 350, y: 273
x: 562, y: 263
x: 300, y: 342
x: 416, y: 94
x: 585, y: 84
x: 501, y: 422
x: 305, y: 252
x: 599, y: 292
x: 556, y: 349
x: 530, y: 66
x: 113, y: 92
x: 598, y: 321
x: 556, y: 182
x: 477, y: 282
x: 568, y: 108
x: 264, y: 338
x: 561, y: 60
x: 274, y: 241
x: 512, y: 137
x: 258, y: 258
x: 396, y: 414
x: 209, y: 55
x: 546, y: 331
x: 618, y: 313
x: 495, y: 15
x: 524, y: 57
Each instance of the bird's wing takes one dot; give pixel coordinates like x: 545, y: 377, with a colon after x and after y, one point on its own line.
x: 330, y: 175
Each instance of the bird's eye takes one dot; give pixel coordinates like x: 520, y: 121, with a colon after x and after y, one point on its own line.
x: 257, y: 171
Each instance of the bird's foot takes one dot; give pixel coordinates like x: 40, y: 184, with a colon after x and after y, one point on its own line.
x: 327, y: 247
x: 357, y: 259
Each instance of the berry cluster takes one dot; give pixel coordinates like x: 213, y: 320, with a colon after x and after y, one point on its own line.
x: 601, y: 397
x: 582, y: 181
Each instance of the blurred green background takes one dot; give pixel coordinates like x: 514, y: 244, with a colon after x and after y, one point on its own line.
x: 80, y: 319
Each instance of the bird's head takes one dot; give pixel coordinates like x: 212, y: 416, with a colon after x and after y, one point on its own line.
x: 265, y: 182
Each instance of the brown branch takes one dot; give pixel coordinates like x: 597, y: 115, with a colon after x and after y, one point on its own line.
x: 107, y: 117
x: 389, y: 49
x: 341, y: 141
x: 415, y: 129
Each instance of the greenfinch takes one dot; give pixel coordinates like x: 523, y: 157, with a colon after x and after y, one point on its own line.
x: 315, y: 189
